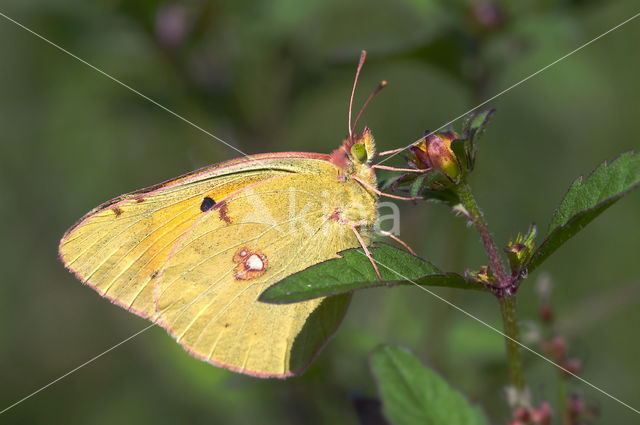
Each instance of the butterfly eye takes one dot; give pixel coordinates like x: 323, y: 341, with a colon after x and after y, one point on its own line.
x: 359, y: 152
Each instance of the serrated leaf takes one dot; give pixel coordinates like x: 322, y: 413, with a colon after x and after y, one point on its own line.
x: 586, y: 199
x: 354, y: 271
x: 414, y: 394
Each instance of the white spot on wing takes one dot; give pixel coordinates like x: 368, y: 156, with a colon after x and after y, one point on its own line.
x: 254, y: 262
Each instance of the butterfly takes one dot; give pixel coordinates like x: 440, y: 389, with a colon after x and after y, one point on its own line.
x: 194, y: 253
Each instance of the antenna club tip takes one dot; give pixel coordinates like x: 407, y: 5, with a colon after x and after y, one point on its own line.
x: 383, y: 83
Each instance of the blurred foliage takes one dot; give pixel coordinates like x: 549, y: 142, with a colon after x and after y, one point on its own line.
x: 413, y: 394
x: 275, y: 76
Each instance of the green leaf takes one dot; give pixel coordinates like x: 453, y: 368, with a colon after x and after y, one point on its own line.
x: 447, y: 196
x: 414, y: 394
x: 353, y: 271
x: 417, y: 185
x: 459, y: 148
x: 389, y: 179
x: 586, y: 199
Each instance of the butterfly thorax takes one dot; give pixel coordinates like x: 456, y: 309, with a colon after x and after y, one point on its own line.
x: 353, y: 158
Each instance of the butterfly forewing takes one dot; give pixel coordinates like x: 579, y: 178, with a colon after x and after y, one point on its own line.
x: 120, y: 247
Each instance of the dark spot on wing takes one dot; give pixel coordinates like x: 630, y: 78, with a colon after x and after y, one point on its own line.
x: 226, y: 325
x: 154, y: 275
x: 206, y: 204
x: 138, y: 199
x: 117, y: 211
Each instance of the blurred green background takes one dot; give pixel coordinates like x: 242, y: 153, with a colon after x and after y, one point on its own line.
x: 275, y: 76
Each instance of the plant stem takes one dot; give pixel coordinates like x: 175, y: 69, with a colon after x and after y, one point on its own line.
x: 506, y: 297
x: 562, y: 399
x: 514, y: 358
x: 469, y: 202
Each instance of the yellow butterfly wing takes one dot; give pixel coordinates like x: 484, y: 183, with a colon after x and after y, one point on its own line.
x: 119, y: 247
x: 194, y: 254
x: 207, y: 292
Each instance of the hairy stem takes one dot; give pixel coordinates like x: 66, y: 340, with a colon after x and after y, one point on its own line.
x: 506, y: 297
x: 514, y: 357
x: 469, y: 202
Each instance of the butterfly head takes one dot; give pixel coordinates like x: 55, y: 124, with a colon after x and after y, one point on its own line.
x: 363, y: 148
x: 355, y: 155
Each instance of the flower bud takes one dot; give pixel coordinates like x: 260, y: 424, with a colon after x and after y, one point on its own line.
x: 171, y: 25
x: 442, y: 157
x: 520, y: 249
x: 435, y: 152
x: 546, y: 313
x: 575, y: 406
x: 487, y: 16
x: 543, y: 414
x: 483, y: 275
x: 521, y: 414
x: 573, y: 365
x: 556, y: 348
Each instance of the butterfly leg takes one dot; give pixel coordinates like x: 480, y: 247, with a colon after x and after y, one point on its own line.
x: 406, y: 170
x: 397, y: 239
x: 391, y: 151
x: 366, y: 250
x: 388, y: 195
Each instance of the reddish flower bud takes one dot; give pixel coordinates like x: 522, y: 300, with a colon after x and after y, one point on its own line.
x: 442, y: 157
x: 542, y: 415
x: 575, y: 406
x: 521, y: 414
x: 546, y: 313
x: 483, y: 275
x: 573, y: 365
x: 521, y: 248
x: 558, y: 348
x: 487, y: 15
x: 435, y: 152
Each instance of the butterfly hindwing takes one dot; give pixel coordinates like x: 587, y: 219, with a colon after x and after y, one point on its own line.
x: 207, y: 292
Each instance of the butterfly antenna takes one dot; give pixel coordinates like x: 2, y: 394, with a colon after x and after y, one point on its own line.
x: 382, y: 85
x: 363, y: 55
